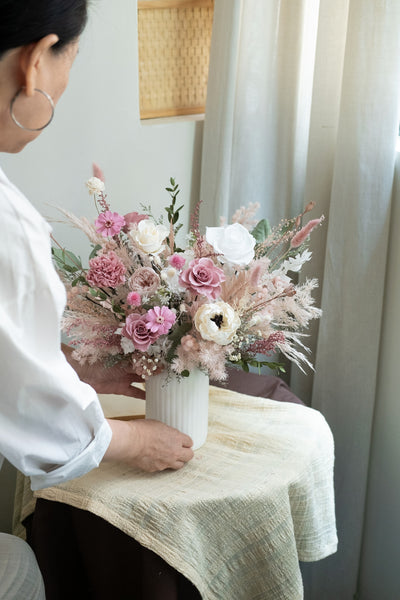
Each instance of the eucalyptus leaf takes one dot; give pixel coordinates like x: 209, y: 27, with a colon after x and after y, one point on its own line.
x: 95, y: 250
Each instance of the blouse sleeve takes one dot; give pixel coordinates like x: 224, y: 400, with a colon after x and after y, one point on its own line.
x: 52, y: 427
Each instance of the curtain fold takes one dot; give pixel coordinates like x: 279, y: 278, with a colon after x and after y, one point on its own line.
x: 354, y: 275
x: 303, y: 104
x: 258, y: 107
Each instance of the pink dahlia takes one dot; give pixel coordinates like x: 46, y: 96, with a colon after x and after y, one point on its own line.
x: 177, y: 261
x: 136, y: 330
x: 160, y: 319
x: 134, y: 299
x: 203, y: 277
x: 109, y: 223
x: 106, y: 270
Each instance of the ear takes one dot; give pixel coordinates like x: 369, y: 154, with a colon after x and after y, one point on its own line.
x: 31, y: 61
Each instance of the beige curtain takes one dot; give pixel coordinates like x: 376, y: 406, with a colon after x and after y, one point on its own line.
x: 303, y: 104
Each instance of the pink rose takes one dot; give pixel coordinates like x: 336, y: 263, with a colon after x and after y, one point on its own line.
x: 109, y: 223
x: 106, y: 270
x: 136, y: 330
x: 132, y: 218
x: 177, y: 261
x: 144, y: 281
x: 160, y: 319
x: 203, y: 277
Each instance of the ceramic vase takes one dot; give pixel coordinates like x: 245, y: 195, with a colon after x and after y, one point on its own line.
x: 180, y: 402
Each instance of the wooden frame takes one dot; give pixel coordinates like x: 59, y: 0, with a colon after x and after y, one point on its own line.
x: 154, y: 4
x: 174, y: 38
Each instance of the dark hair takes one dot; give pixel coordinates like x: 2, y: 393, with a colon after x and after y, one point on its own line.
x: 25, y: 21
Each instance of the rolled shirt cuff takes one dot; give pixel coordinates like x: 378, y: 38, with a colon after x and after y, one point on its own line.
x: 87, y: 460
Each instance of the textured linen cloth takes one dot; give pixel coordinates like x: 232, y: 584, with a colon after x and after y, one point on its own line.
x: 256, y: 499
x: 52, y: 427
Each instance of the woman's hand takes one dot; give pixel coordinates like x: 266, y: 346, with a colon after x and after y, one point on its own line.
x: 113, y: 380
x: 148, y: 445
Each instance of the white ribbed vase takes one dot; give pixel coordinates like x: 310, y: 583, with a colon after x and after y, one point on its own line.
x: 181, y: 403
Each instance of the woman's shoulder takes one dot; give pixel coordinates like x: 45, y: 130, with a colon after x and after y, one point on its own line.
x: 18, y: 215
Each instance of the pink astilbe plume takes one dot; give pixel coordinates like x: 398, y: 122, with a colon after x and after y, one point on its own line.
x: 268, y: 345
x: 245, y: 215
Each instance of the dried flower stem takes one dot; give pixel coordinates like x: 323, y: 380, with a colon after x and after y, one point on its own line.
x: 289, y: 291
x: 171, y: 237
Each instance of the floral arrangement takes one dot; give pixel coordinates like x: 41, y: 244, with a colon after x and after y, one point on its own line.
x: 225, y: 299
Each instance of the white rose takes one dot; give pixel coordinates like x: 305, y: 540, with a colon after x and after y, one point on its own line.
x: 217, y: 322
x: 149, y: 236
x: 95, y: 186
x: 234, y: 242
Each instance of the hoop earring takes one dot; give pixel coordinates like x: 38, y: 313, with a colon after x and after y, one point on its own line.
x: 46, y: 95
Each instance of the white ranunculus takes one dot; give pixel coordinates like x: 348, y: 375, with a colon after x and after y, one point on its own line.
x: 149, y: 236
x: 217, y: 322
x: 234, y: 242
x: 95, y: 185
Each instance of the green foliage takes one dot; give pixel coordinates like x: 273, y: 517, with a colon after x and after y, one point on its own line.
x: 81, y: 279
x: 95, y: 250
x: 98, y: 294
x: 66, y: 261
x: 176, y: 337
x: 245, y: 364
x: 172, y: 211
x: 261, y: 231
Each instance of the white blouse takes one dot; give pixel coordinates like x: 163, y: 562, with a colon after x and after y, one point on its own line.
x: 52, y: 427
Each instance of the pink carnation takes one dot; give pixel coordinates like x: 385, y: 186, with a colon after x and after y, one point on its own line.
x: 106, y: 270
x: 136, y: 330
x: 133, y: 218
x: 177, y: 261
x: 203, y: 277
x: 160, y: 319
x: 109, y: 223
x: 133, y: 299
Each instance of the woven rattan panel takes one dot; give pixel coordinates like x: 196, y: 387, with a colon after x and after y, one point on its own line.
x: 174, y: 49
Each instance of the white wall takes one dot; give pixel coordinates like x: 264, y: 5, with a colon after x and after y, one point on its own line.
x: 98, y: 120
x: 380, y: 578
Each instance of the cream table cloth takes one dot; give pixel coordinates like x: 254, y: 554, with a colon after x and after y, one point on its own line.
x: 257, y: 498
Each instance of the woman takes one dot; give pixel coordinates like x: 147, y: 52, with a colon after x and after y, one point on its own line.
x: 52, y: 427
